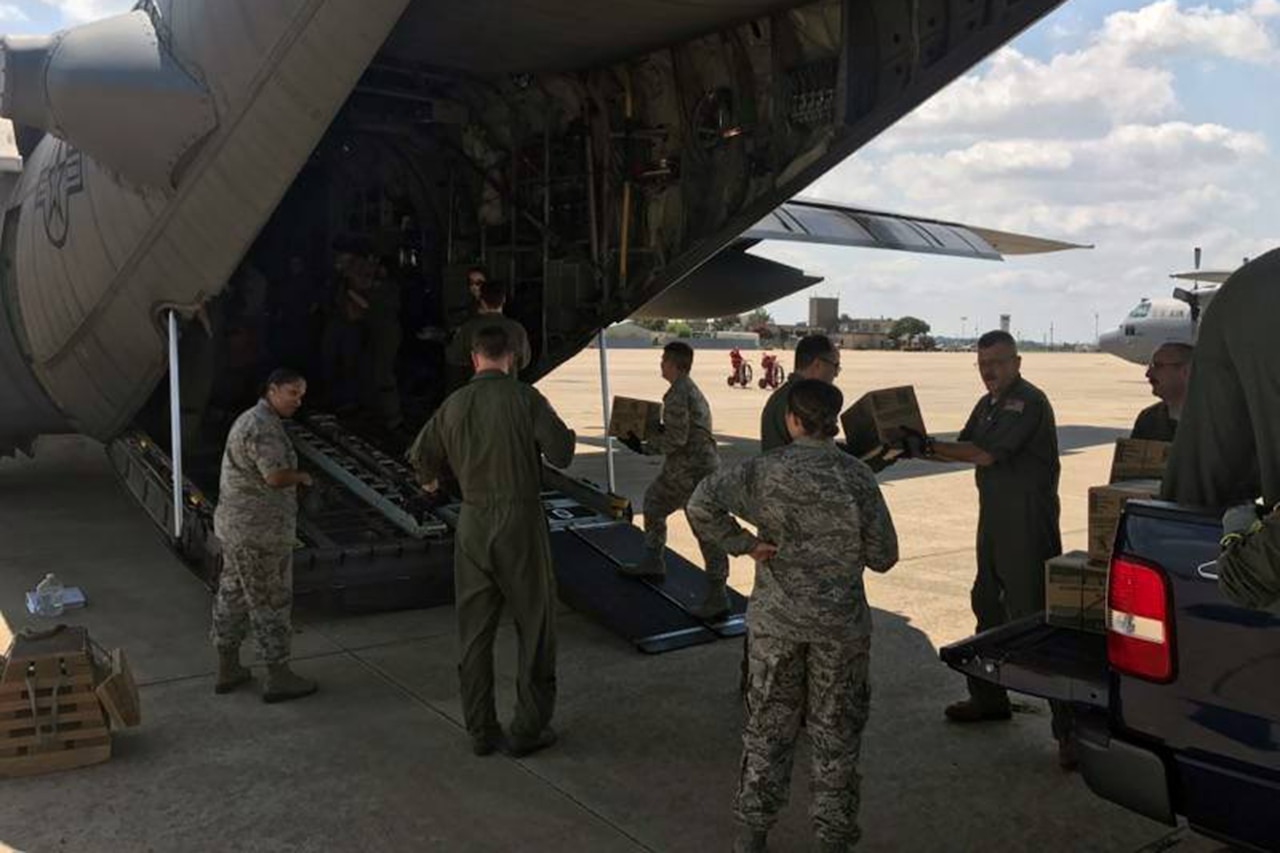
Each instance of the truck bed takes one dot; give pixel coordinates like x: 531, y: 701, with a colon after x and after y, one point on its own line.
x: 1031, y: 657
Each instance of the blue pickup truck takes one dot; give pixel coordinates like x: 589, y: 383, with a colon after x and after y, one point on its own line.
x: 1179, y: 703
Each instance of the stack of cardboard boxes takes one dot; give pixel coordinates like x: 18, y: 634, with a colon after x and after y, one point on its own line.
x: 1076, y: 582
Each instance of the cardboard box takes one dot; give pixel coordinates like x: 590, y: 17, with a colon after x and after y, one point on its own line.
x: 1106, y: 503
x: 1136, y: 459
x: 1075, y: 592
x: 877, y: 418
x: 628, y: 415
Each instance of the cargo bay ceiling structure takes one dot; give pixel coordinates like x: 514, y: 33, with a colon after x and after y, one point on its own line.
x: 595, y: 155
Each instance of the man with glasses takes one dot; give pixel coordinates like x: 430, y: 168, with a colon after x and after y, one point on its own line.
x: 1168, y: 373
x: 1012, y: 440
x: 816, y: 358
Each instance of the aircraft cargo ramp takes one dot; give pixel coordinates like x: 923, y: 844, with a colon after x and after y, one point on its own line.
x: 368, y: 541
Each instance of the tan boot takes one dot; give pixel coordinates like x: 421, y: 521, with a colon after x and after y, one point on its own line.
x: 284, y: 684
x: 230, y: 672
x: 715, y: 605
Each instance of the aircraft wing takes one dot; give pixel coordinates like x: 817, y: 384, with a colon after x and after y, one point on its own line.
x: 808, y: 221
x: 734, y: 282
x: 1211, y: 276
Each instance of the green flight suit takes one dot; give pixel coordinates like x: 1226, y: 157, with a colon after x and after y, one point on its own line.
x: 1227, y: 449
x: 1017, y: 511
x: 382, y: 322
x: 492, y: 433
x: 459, y: 352
x: 1155, y: 423
x: 773, y: 418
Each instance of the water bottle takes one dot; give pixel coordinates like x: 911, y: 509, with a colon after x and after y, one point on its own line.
x: 49, y: 596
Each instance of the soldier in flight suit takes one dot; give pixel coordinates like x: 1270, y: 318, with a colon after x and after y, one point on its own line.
x: 1168, y: 373
x: 255, y: 522
x: 1012, y: 440
x: 1227, y: 449
x: 821, y: 520
x: 690, y: 450
x: 816, y: 358
x: 493, y: 433
x: 493, y: 298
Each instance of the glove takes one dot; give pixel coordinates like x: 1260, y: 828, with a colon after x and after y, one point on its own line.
x: 915, y: 445
x: 632, y: 441
x: 1239, y: 522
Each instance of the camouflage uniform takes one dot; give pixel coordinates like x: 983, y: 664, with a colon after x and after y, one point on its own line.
x: 809, y: 621
x: 256, y: 525
x: 690, y: 450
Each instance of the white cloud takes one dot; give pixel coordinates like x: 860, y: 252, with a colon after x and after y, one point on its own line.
x: 1164, y: 28
x: 1091, y: 144
x: 80, y: 11
x: 10, y: 13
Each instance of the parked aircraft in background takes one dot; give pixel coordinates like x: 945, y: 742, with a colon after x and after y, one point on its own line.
x: 1174, y: 319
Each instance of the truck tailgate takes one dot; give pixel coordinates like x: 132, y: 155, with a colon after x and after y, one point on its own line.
x: 1038, y: 659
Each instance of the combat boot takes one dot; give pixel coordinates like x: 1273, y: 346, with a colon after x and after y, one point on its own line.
x: 750, y: 840
x: 284, y: 684
x: 653, y: 565
x: 231, y: 674
x: 715, y: 605
x: 519, y: 747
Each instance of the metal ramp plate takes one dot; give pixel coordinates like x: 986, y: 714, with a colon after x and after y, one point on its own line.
x: 588, y: 583
x: 685, y: 584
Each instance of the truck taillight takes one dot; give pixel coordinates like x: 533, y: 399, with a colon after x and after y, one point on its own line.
x: 1139, y: 624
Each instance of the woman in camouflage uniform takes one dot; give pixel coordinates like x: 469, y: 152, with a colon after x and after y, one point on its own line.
x: 256, y: 521
x: 821, y: 521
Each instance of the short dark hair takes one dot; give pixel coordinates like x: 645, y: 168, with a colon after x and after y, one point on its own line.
x: 492, y: 342
x: 478, y: 269
x: 680, y: 353
x: 493, y: 293
x: 1185, y: 351
x: 994, y: 339
x: 817, y: 406
x: 811, y: 348
x: 282, y: 376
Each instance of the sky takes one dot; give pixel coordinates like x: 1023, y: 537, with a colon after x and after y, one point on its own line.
x: 1143, y: 128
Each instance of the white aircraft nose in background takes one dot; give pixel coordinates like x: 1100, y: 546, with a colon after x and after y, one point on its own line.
x: 1155, y: 322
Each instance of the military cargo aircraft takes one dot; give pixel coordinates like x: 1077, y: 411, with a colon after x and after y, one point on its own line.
x: 217, y: 163
x: 1172, y: 320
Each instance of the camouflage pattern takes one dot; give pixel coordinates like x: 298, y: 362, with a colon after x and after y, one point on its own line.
x: 773, y: 418
x: 824, y: 511
x: 690, y: 454
x: 1249, y: 571
x: 831, y: 678
x: 249, y: 511
x: 809, y: 622
x: 493, y: 434
x: 255, y: 590
x: 459, y: 351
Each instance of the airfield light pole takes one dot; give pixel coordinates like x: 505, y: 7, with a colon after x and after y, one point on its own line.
x: 175, y: 425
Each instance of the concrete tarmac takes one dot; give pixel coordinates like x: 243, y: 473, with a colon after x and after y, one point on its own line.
x: 649, y: 746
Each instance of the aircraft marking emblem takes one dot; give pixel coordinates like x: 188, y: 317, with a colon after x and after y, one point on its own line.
x: 59, y: 181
